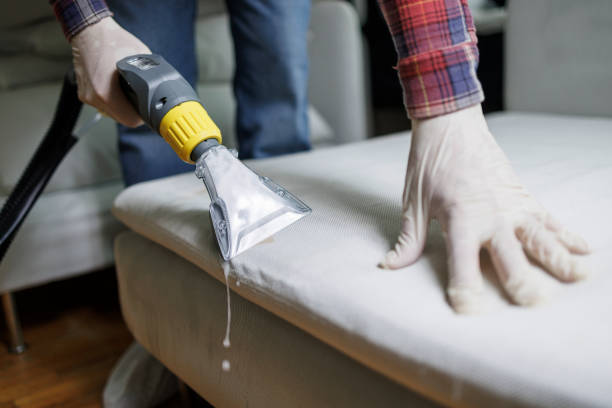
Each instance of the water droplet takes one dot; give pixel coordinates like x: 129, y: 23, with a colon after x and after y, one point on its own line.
x: 226, y: 272
x: 225, y: 365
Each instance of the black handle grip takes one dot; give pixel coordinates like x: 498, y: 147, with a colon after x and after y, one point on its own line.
x: 55, y: 145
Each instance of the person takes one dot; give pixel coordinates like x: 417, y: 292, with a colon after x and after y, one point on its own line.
x: 270, y: 85
x: 270, y: 82
x: 458, y: 174
x: 456, y: 171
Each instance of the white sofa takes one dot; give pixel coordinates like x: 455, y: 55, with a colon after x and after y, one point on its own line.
x: 314, y: 322
x: 70, y: 230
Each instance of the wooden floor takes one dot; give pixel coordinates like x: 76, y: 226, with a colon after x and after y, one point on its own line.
x: 75, y: 334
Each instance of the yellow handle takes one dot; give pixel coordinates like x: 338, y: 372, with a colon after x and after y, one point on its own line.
x: 187, y: 125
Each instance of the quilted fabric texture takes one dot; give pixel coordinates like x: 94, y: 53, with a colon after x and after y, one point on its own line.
x: 320, y: 274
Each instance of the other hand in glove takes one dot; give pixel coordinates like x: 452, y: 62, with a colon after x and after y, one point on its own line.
x: 95, y: 52
x: 458, y: 175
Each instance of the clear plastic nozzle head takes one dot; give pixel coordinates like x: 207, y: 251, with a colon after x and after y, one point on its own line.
x: 245, y: 208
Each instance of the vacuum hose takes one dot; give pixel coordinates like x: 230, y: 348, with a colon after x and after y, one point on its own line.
x: 55, y: 145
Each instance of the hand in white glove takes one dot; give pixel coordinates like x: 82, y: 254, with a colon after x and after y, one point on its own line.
x: 95, y: 51
x: 458, y: 175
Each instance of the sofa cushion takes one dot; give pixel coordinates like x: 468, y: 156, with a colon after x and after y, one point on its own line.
x: 321, y: 274
x: 552, y: 68
x: 339, y: 84
x: 66, y: 233
x: 91, y: 161
x: 34, y: 52
x: 24, y: 12
x: 174, y: 310
x: 22, y: 70
x: 214, y: 49
x: 44, y: 38
x: 211, y: 7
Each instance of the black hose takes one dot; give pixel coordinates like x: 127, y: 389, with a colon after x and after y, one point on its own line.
x: 56, y: 144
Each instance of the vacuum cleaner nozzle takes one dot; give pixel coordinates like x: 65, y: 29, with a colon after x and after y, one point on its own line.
x: 245, y: 208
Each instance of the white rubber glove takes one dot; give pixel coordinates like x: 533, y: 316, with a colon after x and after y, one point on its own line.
x: 95, y: 51
x: 458, y: 175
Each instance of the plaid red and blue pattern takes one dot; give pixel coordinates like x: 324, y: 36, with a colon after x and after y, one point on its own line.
x: 75, y: 15
x: 435, y: 42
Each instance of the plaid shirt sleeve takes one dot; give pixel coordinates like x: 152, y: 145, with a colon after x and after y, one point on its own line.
x: 435, y: 42
x: 75, y: 15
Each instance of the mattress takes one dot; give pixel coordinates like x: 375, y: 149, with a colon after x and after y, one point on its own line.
x: 321, y: 275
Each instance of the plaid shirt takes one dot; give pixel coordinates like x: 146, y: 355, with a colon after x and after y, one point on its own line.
x: 75, y: 15
x: 435, y: 42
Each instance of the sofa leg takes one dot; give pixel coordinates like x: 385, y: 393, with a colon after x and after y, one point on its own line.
x: 16, y: 343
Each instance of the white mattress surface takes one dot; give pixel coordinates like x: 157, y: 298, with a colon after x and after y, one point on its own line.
x: 320, y: 274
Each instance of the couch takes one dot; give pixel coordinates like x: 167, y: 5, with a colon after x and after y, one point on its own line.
x: 71, y: 227
x: 314, y: 322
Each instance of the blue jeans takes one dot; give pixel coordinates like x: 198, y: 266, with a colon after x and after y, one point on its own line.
x: 270, y: 82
